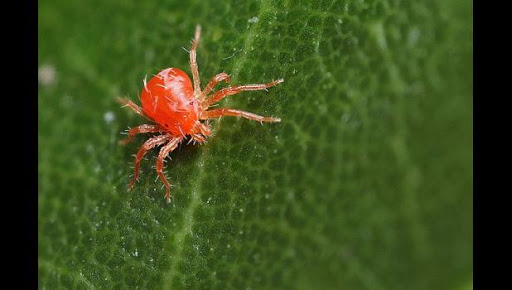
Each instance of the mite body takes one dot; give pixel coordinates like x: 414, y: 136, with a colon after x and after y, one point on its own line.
x: 179, y: 109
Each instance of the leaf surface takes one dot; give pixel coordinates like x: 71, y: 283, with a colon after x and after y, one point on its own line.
x: 365, y: 184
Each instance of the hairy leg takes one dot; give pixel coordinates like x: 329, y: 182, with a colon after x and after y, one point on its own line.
x: 148, y: 145
x: 166, y: 149
x: 129, y: 103
x: 193, y: 61
x: 197, y: 138
x: 232, y: 112
x: 235, y: 90
x: 213, y: 82
x: 145, y: 128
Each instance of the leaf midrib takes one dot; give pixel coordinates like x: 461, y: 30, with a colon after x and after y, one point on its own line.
x: 196, y: 186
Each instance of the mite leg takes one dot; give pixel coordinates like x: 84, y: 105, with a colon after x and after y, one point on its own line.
x: 214, y: 81
x: 193, y: 62
x: 148, y: 145
x: 219, y: 95
x: 129, y: 103
x: 197, y: 138
x: 232, y: 112
x: 145, y: 128
x: 166, y: 149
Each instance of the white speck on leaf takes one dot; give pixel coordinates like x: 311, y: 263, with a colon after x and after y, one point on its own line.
x: 109, y: 117
x: 322, y: 109
x: 47, y: 75
x: 290, y: 195
x: 253, y: 20
x: 413, y: 36
x: 89, y: 148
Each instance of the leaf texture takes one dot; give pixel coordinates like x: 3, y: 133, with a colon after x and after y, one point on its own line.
x: 365, y: 184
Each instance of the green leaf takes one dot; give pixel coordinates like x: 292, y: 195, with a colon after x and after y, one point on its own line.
x: 365, y: 184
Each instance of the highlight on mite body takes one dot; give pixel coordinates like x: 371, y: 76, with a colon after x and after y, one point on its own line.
x: 180, y: 110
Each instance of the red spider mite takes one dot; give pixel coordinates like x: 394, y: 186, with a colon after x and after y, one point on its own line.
x: 180, y: 110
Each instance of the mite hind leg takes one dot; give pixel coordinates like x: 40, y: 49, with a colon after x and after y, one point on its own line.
x: 166, y: 150
x: 145, y: 128
x: 148, y: 145
x: 130, y: 104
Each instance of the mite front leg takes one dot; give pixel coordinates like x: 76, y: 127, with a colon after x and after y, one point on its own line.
x: 197, y: 138
x: 214, y: 81
x: 129, y: 103
x: 193, y: 61
x: 232, y: 112
x: 145, y: 128
x: 148, y: 145
x: 168, y: 148
x: 235, y: 90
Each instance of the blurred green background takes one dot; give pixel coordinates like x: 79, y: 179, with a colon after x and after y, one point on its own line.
x: 366, y: 183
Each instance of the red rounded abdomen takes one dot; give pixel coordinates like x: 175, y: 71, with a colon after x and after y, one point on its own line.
x: 168, y: 98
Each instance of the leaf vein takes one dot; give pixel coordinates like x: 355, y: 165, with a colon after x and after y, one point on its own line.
x: 196, y: 195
